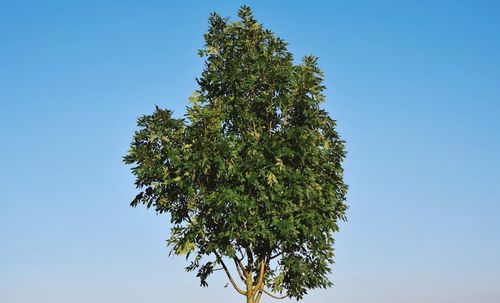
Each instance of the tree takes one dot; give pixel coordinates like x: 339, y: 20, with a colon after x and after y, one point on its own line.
x: 252, y: 176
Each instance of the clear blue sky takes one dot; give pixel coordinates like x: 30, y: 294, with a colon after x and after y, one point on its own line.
x: 414, y: 85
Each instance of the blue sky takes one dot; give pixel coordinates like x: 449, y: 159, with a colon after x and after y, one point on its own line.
x: 414, y: 85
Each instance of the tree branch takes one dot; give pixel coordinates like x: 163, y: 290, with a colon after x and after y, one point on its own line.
x: 250, y: 260
x: 237, y: 263
x: 229, y: 275
x: 242, y: 255
x: 260, y: 281
x: 257, y: 298
x: 276, y: 255
x: 271, y: 295
x: 242, y: 267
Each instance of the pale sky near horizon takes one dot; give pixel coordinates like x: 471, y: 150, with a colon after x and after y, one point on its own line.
x: 414, y: 86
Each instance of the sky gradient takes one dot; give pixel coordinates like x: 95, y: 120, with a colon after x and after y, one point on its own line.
x: 414, y: 86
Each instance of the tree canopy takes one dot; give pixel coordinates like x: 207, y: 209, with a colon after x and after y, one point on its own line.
x: 251, y: 176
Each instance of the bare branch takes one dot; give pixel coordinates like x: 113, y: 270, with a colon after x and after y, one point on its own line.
x: 240, y: 273
x: 260, y: 280
x: 271, y: 295
x: 276, y: 255
x: 242, y: 267
x: 257, y: 298
x: 250, y: 260
x: 242, y: 254
x: 229, y: 275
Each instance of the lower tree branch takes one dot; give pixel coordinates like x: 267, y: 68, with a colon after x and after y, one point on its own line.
x: 276, y: 255
x: 260, y: 281
x: 239, y: 268
x: 257, y: 298
x: 239, y: 290
x: 271, y: 295
x: 250, y: 260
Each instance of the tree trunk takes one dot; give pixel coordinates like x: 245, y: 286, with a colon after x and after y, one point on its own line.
x: 249, y: 287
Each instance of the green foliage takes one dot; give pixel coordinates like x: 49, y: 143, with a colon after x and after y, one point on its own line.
x: 254, y: 170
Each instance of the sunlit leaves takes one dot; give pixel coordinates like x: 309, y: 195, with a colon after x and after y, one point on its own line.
x: 271, y: 179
